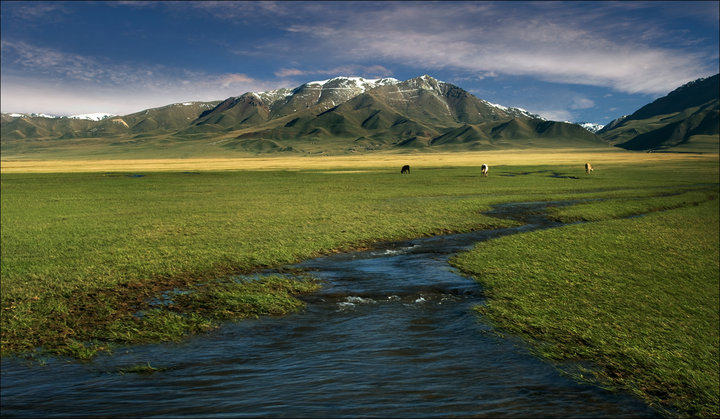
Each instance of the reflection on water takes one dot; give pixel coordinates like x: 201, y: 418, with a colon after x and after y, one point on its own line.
x: 390, y: 334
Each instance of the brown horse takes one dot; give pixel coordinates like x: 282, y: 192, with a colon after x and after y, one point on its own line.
x: 588, y: 168
x: 405, y: 169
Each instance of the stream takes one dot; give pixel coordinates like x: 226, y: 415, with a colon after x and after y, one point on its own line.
x: 391, y: 334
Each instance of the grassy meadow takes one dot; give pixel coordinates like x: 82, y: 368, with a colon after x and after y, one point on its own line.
x: 638, y: 297
x: 87, y: 246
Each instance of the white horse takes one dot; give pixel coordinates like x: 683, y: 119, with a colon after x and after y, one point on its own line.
x: 484, y: 169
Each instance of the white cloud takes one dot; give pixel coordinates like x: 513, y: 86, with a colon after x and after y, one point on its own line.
x: 33, y: 95
x: 39, y: 11
x: 369, y: 71
x: 26, y: 95
x: 582, y: 103
x: 289, y: 72
x: 232, y: 10
x: 39, y: 79
x: 555, y: 114
x: 487, y: 38
x: 227, y: 80
x: 22, y: 57
x: 587, y: 43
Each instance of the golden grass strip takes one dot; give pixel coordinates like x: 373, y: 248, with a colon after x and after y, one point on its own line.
x: 389, y: 161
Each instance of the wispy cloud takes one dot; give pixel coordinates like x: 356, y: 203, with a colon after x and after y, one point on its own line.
x: 290, y: 72
x: 234, y: 10
x: 219, y: 49
x: 582, y: 103
x: 531, y: 41
x: 36, y: 72
x: 369, y: 71
x: 23, y: 57
x: 32, y: 94
x: 230, y: 79
x: 555, y: 114
x: 36, y: 11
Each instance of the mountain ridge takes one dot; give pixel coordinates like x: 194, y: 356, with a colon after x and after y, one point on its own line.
x: 337, y: 115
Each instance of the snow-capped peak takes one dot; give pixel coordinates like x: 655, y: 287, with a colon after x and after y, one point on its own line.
x: 590, y: 126
x: 352, y: 83
x: 495, y: 105
x: 98, y: 116
x: 513, y: 111
x: 31, y: 115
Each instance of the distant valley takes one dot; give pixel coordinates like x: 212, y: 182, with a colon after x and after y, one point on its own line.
x: 355, y: 115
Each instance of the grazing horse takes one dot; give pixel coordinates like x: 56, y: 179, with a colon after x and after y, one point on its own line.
x: 484, y: 169
x: 588, y: 168
x: 405, y: 169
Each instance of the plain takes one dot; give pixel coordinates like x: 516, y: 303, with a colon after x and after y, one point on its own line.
x: 86, y: 247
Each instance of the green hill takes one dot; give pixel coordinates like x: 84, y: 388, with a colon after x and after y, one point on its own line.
x: 685, y: 120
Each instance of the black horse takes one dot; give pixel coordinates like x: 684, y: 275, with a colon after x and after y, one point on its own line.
x: 405, y: 169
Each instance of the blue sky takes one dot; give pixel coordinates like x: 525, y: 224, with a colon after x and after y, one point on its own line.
x: 576, y: 61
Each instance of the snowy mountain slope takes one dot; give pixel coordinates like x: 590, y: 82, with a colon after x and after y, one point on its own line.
x: 591, y: 126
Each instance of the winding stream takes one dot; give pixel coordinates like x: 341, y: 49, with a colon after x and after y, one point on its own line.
x: 391, y: 334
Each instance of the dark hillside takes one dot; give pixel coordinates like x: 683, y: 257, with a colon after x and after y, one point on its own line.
x: 686, y: 120
x: 693, y: 94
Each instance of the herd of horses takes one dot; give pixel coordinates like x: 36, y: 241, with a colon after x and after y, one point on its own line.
x: 484, y: 169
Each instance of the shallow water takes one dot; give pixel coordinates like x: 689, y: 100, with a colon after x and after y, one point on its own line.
x: 391, y: 334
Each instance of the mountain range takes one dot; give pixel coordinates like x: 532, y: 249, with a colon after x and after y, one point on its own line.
x: 353, y: 114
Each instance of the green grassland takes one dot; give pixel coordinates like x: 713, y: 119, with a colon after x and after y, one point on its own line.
x: 636, y: 296
x: 85, y: 254
x: 82, y: 252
